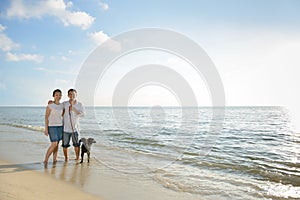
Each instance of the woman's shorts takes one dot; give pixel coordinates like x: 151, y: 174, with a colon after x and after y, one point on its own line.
x: 55, y: 133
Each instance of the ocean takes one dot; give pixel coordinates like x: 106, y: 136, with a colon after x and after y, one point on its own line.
x: 255, y: 155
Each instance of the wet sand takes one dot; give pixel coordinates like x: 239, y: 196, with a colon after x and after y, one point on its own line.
x: 18, y: 182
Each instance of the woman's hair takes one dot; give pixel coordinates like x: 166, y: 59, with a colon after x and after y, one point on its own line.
x: 57, y: 90
x: 72, y: 90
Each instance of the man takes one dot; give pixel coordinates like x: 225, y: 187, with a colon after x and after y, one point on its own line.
x: 73, y: 110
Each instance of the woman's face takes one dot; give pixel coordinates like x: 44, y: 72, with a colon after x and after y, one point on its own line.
x: 57, y: 96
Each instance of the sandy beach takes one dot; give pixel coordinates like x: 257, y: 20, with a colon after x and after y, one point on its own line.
x: 20, y: 183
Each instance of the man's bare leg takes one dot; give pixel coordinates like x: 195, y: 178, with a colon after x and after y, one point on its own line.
x: 66, y: 153
x: 77, y: 152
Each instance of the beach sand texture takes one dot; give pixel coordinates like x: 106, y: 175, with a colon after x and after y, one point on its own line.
x: 18, y: 183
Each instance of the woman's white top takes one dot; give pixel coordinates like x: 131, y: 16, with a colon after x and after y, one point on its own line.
x: 55, y: 117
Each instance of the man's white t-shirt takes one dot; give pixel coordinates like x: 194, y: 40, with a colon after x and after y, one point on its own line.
x: 71, y: 119
x: 55, y: 116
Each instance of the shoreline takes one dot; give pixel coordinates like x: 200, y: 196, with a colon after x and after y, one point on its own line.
x: 19, y: 183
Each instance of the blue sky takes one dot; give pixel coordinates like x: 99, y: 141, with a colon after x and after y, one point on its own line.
x: 253, y: 44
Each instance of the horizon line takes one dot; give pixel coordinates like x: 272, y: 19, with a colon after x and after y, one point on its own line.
x: 141, y: 106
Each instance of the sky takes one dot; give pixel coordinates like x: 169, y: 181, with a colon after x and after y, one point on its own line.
x: 254, y: 45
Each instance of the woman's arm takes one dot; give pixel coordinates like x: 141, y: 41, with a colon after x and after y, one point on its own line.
x: 47, y: 120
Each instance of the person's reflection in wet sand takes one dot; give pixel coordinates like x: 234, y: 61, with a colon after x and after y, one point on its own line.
x: 63, y: 175
x: 74, y: 174
x: 70, y: 172
x: 51, y: 171
x: 84, y: 173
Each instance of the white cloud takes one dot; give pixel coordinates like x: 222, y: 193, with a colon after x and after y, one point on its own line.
x: 61, y: 81
x: 73, y: 53
x: 104, y: 6
x: 2, y: 86
x: 100, y: 37
x: 2, y: 28
x: 37, y: 9
x: 40, y: 69
x: 6, y: 44
x: 23, y: 57
x: 64, y: 58
x: 61, y: 57
x: 71, y: 72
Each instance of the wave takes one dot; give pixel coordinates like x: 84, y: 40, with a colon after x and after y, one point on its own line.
x: 207, y: 183
x: 279, y: 191
x: 266, y: 172
x: 28, y: 127
x: 212, y: 182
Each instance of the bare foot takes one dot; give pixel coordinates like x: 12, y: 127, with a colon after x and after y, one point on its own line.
x: 66, y: 159
x: 54, y: 161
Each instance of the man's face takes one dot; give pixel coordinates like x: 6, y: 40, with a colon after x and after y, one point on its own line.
x: 72, y: 95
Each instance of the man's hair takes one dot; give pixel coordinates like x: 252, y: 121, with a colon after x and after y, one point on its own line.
x: 57, y: 90
x: 72, y: 90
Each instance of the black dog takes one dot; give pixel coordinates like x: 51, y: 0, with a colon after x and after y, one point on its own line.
x: 86, y: 147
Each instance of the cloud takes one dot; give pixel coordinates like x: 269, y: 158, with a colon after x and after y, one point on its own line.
x: 2, y: 28
x: 60, y: 58
x: 72, y: 72
x: 25, y: 9
x: 2, y: 86
x: 100, y: 37
x: 104, y: 6
x: 23, y: 57
x: 40, y: 69
x: 64, y: 58
x: 61, y: 81
x: 6, y: 44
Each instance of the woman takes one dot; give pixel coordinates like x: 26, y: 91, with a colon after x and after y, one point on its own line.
x: 54, y: 125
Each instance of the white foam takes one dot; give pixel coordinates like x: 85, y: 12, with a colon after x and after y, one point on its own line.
x: 29, y: 127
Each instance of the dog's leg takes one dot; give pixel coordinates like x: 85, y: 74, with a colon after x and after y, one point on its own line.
x: 82, y: 154
x: 88, y: 153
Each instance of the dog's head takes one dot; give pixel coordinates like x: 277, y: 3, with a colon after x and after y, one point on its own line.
x: 87, y: 142
x: 90, y: 141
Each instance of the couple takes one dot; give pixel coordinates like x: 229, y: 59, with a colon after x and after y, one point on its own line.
x: 62, y: 123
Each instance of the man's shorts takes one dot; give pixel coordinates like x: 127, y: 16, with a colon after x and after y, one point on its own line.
x: 55, y: 133
x: 67, y: 137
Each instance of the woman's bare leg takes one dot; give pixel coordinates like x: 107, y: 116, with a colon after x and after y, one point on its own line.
x: 55, y: 153
x: 50, y: 151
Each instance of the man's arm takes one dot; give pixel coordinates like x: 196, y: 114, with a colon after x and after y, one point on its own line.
x: 80, y: 112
